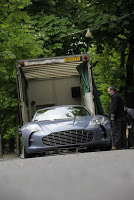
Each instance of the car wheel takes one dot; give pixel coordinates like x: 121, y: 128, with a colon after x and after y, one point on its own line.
x: 25, y: 154
x: 106, y: 148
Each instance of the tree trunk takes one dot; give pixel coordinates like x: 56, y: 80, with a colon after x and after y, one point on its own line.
x: 122, y: 66
x: 130, y: 75
x: 11, y: 144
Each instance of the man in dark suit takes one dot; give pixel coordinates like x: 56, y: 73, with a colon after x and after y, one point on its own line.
x: 116, y: 116
x: 130, y: 125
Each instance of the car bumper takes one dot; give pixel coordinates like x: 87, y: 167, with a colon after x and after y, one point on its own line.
x: 100, y: 138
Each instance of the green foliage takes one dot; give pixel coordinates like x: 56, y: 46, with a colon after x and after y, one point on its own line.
x: 49, y: 28
x: 106, y: 72
x: 112, y: 27
x: 16, y: 42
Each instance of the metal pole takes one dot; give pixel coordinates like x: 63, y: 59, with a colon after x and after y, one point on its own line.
x: 91, y: 87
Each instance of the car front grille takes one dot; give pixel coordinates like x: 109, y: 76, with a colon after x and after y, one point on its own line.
x: 68, y: 137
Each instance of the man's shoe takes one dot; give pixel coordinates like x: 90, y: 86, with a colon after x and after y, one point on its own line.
x: 114, y: 148
x: 131, y: 147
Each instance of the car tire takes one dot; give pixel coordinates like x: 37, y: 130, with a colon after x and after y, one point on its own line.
x: 25, y: 154
x: 106, y: 148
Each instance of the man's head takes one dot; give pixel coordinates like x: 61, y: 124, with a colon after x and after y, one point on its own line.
x: 111, y: 90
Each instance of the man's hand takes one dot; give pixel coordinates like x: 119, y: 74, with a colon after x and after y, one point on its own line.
x: 112, y: 117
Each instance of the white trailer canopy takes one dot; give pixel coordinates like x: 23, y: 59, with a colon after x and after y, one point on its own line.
x: 53, y: 67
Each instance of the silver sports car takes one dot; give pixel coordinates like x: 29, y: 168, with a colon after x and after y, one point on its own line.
x: 65, y: 127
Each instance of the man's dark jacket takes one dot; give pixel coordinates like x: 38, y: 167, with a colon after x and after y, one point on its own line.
x: 117, y: 106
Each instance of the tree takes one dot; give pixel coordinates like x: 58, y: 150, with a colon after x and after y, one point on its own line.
x: 105, y: 72
x: 16, y: 42
x: 53, y: 20
x: 112, y: 25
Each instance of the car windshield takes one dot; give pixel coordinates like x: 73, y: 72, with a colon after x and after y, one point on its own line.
x: 56, y: 113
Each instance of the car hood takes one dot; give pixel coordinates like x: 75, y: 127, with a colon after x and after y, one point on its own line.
x: 67, y: 124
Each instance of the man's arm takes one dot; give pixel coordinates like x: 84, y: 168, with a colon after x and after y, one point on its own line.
x: 114, y: 107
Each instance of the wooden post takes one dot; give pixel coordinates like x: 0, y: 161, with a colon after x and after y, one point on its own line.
x: 1, y: 149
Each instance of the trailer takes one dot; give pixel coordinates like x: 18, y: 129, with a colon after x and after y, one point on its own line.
x: 53, y: 81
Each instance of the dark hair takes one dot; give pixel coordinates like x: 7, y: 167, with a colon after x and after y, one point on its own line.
x: 111, y: 87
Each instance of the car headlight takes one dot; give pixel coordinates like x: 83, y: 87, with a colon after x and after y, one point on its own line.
x: 96, y: 121
x: 34, y: 128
